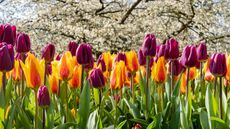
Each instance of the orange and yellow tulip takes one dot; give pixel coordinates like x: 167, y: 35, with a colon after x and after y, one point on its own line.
x: 159, y: 71
x: 54, y: 82
x: 108, y: 60
x: 63, y: 69
x: 208, y: 75
x: 131, y: 61
x: 75, y: 81
x: 34, y: 71
x: 192, y: 73
x: 16, y: 72
x: 183, y: 84
x: 118, y: 75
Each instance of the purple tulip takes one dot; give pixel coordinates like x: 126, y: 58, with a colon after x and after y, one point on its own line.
x: 218, y: 64
x: 149, y: 45
x: 58, y: 57
x: 202, y: 52
x: 172, y: 49
x: 141, y: 58
x: 8, y: 34
x: 177, y: 67
x: 48, y: 52
x: 120, y: 57
x: 48, y: 69
x: 43, y: 97
x: 96, y: 78
x: 189, y: 56
x: 72, y: 47
x: 6, y: 57
x: 90, y: 65
x: 101, y: 62
x: 22, y: 43
x: 161, y: 50
x: 84, y: 54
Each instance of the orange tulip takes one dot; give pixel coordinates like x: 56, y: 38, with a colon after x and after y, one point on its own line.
x: 208, y: 75
x: 63, y: 69
x: 131, y: 61
x: 192, y: 73
x: 228, y: 69
x: 34, y: 71
x: 16, y: 72
x: 108, y: 60
x: 75, y: 81
x: 183, y: 84
x: 54, y: 82
x: 159, y: 71
x: 118, y: 75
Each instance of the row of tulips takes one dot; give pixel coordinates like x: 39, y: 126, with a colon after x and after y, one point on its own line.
x: 157, y: 87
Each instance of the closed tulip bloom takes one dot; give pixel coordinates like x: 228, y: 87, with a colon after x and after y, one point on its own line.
x: 6, y: 57
x: 84, y: 54
x: 201, y: 52
x: 72, y: 47
x: 189, y: 56
x: 183, y: 84
x: 227, y: 76
x: 54, y: 82
x: 159, y: 71
x: 192, y: 73
x: 161, y: 50
x: 172, y: 49
x: 48, y: 52
x: 22, y: 43
x: 43, y: 97
x: 141, y: 58
x: 208, y: 75
x: 58, y: 57
x: 64, y: 68
x: 218, y: 64
x: 149, y: 45
x: 120, y: 57
x: 96, y: 78
x: 107, y: 57
x: 177, y: 67
x: 8, y: 34
x: 75, y: 81
x: 118, y: 75
x: 101, y: 63
x: 131, y: 61
x: 17, y: 71
x: 34, y: 71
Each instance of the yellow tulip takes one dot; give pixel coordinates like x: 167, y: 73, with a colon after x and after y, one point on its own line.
x: 34, y: 71
x: 108, y: 60
x: 75, y: 81
x: 131, y: 61
x: 118, y: 75
x: 16, y: 72
x: 228, y: 69
x: 54, y: 82
x: 159, y: 71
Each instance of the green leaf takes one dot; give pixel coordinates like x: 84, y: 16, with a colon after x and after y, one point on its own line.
x: 175, y: 119
x: 84, y: 107
x: 9, y: 90
x: 176, y: 91
x: 220, y: 124
x: 66, y: 125
x: 121, y: 124
x: 184, y: 121
x: 92, y: 121
x: 204, y: 120
x: 96, y: 95
x: 133, y: 109
x: 10, y: 117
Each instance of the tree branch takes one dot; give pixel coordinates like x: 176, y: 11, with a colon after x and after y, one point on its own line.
x: 129, y: 11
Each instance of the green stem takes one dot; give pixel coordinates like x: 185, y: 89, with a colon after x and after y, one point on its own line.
x: 220, y: 95
x: 187, y: 84
x: 82, y: 77
x: 43, y: 118
x: 132, y: 87
x: 147, y: 85
x: 36, y: 110
x: 66, y: 97
x: 215, y: 83
x: 172, y: 83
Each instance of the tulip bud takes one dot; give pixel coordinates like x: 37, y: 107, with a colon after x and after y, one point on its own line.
x: 201, y: 52
x: 172, y: 49
x: 141, y: 58
x: 84, y: 53
x: 149, y: 45
x: 58, y: 57
x: 43, y: 97
x: 22, y: 43
x: 72, y: 47
x: 177, y: 67
x: 161, y: 50
x: 120, y: 57
x: 48, y: 52
x: 218, y: 64
x: 96, y: 78
x: 101, y: 63
x: 189, y: 56
x: 6, y: 57
x: 8, y: 34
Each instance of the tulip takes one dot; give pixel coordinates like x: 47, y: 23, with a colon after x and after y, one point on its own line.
x: 149, y: 45
x: 43, y: 97
x: 96, y: 78
x: 48, y: 52
x: 101, y: 63
x: 161, y: 50
x: 34, y: 71
x: 208, y: 75
x: 108, y: 60
x: 72, y: 47
x: 118, y: 75
x: 120, y: 57
x: 137, y: 126
x: 16, y: 72
x: 22, y: 43
x: 189, y: 56
x: 159, y: 71
x: 172, y: 49
x: 58, y: 57
x: 75, y: 81
x: 6, y: 57
x: 141, y: 58
x: 131, y: 61
x: 84, y: 54
x: 8, y: 34
x: 183, y: 84
x: 54, y: 82
x: 177, y: 67
x: 201, y: 52
x: 227, y: 76
x: 218, y: 68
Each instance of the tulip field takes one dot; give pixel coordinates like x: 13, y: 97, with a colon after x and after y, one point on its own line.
x: 156, y: 87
